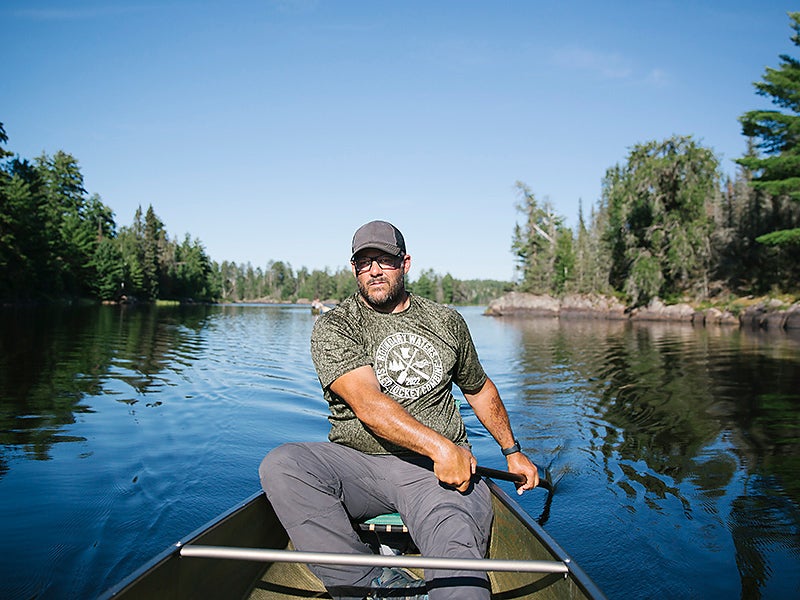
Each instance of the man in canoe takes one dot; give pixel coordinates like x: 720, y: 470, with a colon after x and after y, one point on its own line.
x: 386, y: 361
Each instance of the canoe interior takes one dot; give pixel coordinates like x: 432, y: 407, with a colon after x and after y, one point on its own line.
x: 254, y: 525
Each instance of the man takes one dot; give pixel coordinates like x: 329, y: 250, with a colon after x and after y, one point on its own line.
x: 386, y: 361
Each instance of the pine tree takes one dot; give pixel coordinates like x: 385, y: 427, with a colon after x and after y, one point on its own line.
x: 64, y: 204
x: 24, y: 252
x: 543, y: 246
x: 153, y: 246
x: 425, y: 285
x: 109, y: 273
x: 778, y: 173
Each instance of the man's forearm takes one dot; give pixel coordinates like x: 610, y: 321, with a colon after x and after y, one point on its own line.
x: 393, y: 423
x: 452, y: 464
x: 491, y: 412
x: 385, y: 417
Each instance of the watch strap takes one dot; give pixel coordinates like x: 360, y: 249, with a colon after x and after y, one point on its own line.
x: 511, y: 450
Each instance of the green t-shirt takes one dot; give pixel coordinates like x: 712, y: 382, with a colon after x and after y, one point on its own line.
x: 417, y: 355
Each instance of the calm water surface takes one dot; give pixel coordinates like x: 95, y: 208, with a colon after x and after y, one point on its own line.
x: 675, y: 451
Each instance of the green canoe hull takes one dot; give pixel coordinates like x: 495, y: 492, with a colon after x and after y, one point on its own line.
x: 253, y: 524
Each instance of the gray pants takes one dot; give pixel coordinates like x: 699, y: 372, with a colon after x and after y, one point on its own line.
x: 318, y: 489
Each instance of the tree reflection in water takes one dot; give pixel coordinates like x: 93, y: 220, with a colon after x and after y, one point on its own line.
x: 705, y: 417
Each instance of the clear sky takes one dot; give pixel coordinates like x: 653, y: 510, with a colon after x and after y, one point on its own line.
x: 271, y: 130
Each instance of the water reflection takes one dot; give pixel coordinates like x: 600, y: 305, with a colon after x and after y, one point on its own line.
x: 675, y: 450
x: 51, y: 359
x: 124, y: 428
x: 698, y: 422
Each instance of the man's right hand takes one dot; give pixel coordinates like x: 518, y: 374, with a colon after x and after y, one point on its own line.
x: 454, y: 466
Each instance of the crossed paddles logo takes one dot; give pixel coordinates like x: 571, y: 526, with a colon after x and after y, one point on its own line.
x: 407, y: 365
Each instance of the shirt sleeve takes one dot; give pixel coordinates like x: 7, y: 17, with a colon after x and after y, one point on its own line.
x: 336, y: 348
x: 469, y: 375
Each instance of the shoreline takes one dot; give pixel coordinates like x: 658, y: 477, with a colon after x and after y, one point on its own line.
x: 767, y: 314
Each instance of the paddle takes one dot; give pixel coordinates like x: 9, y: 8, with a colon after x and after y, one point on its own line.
x: 544, y: 476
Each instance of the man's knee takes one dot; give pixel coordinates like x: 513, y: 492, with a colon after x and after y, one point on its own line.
x: 279, y: 465
x: 452, y: 530
x: 461, y: 534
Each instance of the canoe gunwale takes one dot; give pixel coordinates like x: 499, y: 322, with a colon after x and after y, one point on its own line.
x: 576, y: 573
x: 173, y: 551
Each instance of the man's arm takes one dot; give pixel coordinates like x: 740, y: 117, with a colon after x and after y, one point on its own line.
x: 452, y: 464
x: 491, y: 411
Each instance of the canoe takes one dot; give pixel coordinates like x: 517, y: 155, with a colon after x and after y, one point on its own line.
x: 246, y: 554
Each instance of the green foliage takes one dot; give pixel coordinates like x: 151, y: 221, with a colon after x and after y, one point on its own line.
x: 645, y: 279
x: 668, y: 227
x: 152, y: 247
x: 279, y: 283
x: 425, y: 285
x: 345, y: 284
x: 778, y: 172
x: 449, y: 290
x: 543, y: 246
x: 657, y: 221
x: 49, y: 228
x: 317, y: 284
x: 591, y: 270
x: 57, y: 242
x: 23, y: 247
x: 189, y: 274
x: 108, y: 268
x: 785, y: 237
x: 70, y: 234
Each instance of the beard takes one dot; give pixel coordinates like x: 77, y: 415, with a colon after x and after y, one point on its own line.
x: 384, y: 299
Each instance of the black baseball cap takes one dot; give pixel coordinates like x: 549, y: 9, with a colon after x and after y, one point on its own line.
x: 380, y: 235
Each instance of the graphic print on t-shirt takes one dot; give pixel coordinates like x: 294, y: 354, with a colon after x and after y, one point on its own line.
x: 407, y: 365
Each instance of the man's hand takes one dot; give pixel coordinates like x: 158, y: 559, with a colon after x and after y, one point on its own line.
x: 521, y: 464
x: 454, y: 465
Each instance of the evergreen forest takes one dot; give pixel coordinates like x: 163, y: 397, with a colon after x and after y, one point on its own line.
x: 668, y: 224
x: 58, y: 243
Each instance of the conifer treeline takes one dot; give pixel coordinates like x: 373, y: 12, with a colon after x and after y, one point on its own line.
x: 279, y: 283
x: 58, y: 242
x: 668, y: 225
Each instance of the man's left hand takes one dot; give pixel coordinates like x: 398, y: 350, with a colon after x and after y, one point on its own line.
x: 521, y: 464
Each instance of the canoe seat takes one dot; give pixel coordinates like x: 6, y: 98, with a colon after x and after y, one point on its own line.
x: 386, y: 534
x: 388, y: 523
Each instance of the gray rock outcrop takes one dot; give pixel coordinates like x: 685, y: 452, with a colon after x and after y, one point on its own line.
x: 771, y: 315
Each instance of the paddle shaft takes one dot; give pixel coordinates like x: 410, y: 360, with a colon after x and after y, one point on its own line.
x: 515, y: 477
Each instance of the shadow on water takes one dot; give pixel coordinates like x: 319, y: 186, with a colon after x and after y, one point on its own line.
x: 704, y: 421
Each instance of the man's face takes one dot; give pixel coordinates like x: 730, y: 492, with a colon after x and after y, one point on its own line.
x: 380, y: 282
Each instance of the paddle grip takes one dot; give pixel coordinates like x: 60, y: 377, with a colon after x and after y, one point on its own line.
x: 515, y: 477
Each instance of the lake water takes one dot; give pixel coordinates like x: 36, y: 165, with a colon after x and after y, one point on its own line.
x: 675, y: 451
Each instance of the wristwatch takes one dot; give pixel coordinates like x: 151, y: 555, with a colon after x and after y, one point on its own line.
x: 513, y: 449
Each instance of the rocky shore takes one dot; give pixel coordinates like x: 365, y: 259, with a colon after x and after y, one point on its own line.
x: 762, y: 314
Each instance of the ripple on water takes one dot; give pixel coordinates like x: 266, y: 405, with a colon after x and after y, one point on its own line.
x: 671, y: 447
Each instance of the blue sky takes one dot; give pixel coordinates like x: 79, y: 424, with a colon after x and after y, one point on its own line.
x: 271, y: 130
